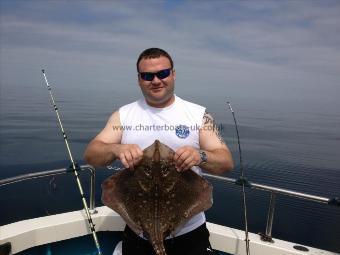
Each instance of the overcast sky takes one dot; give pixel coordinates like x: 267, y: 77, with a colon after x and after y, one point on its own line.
x: 240, y: 49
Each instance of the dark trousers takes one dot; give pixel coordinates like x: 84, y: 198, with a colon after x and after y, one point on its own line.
x: 195, y: 242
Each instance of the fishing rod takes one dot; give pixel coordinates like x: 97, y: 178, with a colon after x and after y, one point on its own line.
x: 242, y: 181
x: 74, y: 166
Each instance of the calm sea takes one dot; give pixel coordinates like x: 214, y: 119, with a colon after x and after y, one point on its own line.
x: 288, y: 144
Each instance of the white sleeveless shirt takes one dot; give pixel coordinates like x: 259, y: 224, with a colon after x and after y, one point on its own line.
x: 175, y: 125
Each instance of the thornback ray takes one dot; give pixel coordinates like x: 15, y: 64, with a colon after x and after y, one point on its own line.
x: 155, y: 199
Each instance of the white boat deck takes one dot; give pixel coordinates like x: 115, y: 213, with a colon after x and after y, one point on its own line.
x: 33, y: 232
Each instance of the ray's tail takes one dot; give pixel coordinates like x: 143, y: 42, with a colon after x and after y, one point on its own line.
x: 159, y: 248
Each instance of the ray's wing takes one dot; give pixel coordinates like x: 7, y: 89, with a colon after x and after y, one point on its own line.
x: 192, y: 195
x: 115, y: 190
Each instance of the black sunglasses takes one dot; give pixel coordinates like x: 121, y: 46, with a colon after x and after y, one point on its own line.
x: 162, y: 74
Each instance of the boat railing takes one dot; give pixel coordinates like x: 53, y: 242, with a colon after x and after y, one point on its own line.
x: 41, y: 174
x: 267, y: 236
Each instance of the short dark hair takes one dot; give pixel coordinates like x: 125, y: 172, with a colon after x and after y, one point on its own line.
x: 154, y: 53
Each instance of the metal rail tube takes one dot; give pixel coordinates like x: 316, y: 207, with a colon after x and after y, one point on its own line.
x: 24, y: 177
x: 273, y: 189
x: 221, y: 178
x: 270, y: 216
x: 92, y: 191
x: 41, y: 174
x: 290, y: 193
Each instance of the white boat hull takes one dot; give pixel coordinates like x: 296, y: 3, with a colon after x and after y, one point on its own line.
x: 49, y: 229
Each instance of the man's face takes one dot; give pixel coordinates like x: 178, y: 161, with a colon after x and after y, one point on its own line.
x: 157, y: 92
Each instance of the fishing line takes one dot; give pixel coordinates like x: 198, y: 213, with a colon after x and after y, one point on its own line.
x: 51, y: 188
x: 242, y: 181
x: 74, y: 167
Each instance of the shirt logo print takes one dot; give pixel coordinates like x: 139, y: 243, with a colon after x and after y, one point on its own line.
x: 182, y: 131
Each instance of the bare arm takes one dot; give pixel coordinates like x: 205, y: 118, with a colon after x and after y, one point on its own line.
x: 219, y: 157
x: 106, y: 147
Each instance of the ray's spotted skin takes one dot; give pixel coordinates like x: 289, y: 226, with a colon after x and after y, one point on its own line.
x: 155, y: 199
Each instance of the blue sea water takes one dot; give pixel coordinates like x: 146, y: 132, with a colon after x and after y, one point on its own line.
x: 288, y: 144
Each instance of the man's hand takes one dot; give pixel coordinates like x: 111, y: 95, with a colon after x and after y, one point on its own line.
x: 186, y: 157
x: 129, y: 154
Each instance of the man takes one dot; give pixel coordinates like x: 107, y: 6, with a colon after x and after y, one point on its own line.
x: 185, y: 127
